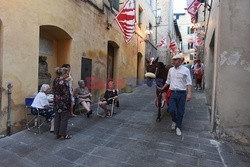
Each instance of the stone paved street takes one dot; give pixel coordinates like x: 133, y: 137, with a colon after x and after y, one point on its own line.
x: 131, y: 138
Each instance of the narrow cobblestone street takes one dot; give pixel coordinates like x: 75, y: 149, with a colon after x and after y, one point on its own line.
x: 132, y: 137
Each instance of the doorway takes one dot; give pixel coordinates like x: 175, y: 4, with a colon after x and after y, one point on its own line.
x: 54, y: 50
x: 112, y: 60
x: 86, y: 69
x: 139, y: 69
x: 210, y: 73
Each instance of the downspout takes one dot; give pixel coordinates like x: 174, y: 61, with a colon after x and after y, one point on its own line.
x: 9, y: 86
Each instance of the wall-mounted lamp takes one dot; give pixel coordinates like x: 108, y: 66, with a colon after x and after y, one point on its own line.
x: 157, y: 20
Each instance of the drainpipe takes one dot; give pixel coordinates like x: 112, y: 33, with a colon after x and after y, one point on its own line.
x: 9, y: 86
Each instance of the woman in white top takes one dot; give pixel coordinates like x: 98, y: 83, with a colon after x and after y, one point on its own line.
x: 41, y: 103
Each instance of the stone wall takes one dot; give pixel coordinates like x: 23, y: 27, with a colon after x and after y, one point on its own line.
x: 229, y: 63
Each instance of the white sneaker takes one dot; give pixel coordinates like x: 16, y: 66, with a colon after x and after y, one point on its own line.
x: 173, y: 126
x: 178, y: 132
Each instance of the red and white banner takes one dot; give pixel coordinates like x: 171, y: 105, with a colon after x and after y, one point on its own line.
x: 126, y: 19
x: 198, y: 41
x: 162, y: 43
x: 193, y: 19
x: 194, y: 7
x: 173, y: 46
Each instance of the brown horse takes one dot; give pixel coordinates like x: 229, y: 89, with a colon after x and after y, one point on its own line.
x: 157, y: 72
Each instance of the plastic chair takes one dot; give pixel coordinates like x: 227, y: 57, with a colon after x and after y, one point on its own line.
x: 113, y: 107
x: 35, y: 117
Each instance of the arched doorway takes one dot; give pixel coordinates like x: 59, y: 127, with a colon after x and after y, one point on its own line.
x: 140, y: 67
x: 54, y: 50
x: 112, y: 63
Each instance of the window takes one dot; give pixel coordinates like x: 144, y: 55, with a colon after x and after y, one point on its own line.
x: 116, y: 4
x: 190, y: 46
x: 188, y: 30
x: 140, y: 17
x: 191, y: 57
x: 192, y: 30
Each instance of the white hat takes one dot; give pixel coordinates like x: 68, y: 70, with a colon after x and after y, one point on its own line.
x: 177, y: 57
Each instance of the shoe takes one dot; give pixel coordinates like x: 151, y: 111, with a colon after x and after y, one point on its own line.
x: 178, y: 132
x: 173, y: 126
x: 89, y: 113
x: 51, y: 131
x: 108, y: 113
x: 66, y: 137
x: 117, y: 104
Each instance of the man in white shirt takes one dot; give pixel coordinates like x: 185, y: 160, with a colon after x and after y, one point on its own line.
x: 180, y: 83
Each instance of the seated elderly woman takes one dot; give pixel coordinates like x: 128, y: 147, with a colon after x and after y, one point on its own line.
x: 109, y: 95
x: 41, y: 103
x: 83, y: 96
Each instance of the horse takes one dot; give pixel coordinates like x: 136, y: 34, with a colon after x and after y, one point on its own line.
x: 157, y: 72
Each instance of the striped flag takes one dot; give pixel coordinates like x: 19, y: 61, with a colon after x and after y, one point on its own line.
x: 173, y: 46
x: 162, y: 43
x: 193, y: 7
x: 193, y: 19
x: 126, y: 19
x: 198, y: 41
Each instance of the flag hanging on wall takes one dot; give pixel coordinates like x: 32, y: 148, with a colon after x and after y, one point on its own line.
x: 193, y: 19
x: 198, y: 41
x: 126, y: 19
x: 162, y: 43
x: 193, y: 7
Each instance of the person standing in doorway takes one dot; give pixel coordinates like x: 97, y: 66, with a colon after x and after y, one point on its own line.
x: 180, y: 83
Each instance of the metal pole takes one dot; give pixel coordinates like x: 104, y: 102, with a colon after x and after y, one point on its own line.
x: 9, y: 86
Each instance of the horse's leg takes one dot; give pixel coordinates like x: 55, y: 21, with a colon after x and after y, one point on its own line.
x: 158, y: 119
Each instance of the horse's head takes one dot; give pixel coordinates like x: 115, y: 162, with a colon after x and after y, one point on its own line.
x: 151, y: 69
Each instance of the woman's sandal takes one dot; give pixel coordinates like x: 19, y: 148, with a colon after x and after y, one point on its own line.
x: 108, y: 113
x: 89, y: 113
x: 67, y: 137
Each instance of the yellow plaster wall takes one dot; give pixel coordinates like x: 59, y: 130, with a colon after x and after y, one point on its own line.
x: 21, y: 21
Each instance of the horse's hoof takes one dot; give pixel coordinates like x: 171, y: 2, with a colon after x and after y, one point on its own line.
x: 158, y: 119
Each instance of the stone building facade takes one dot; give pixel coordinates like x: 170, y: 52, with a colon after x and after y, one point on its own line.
x: 165, y: 29
x: 227, y: 67
x: 82, y: 33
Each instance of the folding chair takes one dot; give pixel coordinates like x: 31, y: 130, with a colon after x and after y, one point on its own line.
x: 36, y: 117
x: 113, y: 107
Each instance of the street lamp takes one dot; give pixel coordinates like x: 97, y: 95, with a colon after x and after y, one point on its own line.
x: 157, y: 23
x: 157, y: 20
